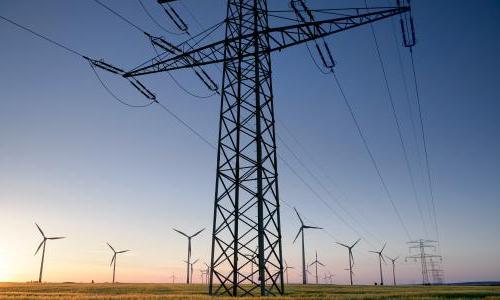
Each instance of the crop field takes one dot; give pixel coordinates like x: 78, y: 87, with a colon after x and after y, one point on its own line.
x: 197, y: 291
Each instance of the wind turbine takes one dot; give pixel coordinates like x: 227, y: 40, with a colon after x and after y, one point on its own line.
x: 173, y: 278
x: 44, y: 242
x: 286, y: 271
x: 316, y: 262
x: 301, y: 230
x: 191, y: 269
x: 188, y: 262
x: 307, y: 272
x: 203, y: 274
x: 113, y: 260
x: 393, y: 261
x: 207, y: 271
x: 192, y: 265
x: 380, y: 258
x: 351, y: 257
x: 253, y: 261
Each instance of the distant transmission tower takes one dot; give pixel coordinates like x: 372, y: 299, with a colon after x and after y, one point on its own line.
x: 247, y: 206
x: 436, y: 271
x: 424, y: 257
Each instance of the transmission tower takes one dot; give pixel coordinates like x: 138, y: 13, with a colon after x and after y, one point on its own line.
x: 246, y: 217
x: 423, y: 256
x: 436, y: 271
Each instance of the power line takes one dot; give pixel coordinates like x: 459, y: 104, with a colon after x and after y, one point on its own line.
x: 114, y: 95
x: 424, y: 140
x: 120, y: 16
x: 191, y: 129
x: 156, y: 22
x: 325, y: 174
x: 157, y: 54
x: 170, y: 112
x: 410, y: 111
x: 43, y: 37
x: 372, y: 158
x: 318, y: 181
x: 396, y: 119
x: 182, y: 87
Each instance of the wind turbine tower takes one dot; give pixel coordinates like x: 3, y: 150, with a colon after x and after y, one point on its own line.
x: 113, y: 260
x: 316, y: 262
x: 393, y: 261
x: 351, y: 257
x: 188, y: 262
x: 286, y: 271
x: 301, y: 231
x: 380, y: 259
x: 44, y: 242
x: 191, y: 267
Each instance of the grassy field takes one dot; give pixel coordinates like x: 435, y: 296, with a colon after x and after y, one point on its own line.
x: 196, y: 291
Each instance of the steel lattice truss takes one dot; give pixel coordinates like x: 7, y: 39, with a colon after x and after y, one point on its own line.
x: 279, y: 37
x: 246, y: 203
x: 246, y: 226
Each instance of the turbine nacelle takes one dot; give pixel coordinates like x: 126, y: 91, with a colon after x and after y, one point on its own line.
x: 303, y: 226
x: 45, y: 238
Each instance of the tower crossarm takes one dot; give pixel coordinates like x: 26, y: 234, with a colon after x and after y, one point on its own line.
x: 280, y: 38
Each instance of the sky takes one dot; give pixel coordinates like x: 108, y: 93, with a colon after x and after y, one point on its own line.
x: 82, y: 165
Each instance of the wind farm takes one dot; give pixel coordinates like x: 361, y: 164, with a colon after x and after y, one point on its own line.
x: 297, y: 149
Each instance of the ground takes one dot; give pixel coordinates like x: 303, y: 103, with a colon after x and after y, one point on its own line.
x: 197, y: 291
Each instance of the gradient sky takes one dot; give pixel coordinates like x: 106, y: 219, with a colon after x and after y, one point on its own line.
x: 82, y: 165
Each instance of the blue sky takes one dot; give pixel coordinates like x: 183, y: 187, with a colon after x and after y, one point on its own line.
x: 81, y: 164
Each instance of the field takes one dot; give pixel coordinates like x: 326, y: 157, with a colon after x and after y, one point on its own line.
x: 196, y: 291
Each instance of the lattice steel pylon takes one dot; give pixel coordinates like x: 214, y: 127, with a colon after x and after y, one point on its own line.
x: 246, y: 214
x: 246, y: 220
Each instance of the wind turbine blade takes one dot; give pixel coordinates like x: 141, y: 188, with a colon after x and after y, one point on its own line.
x: 56, y: 238
x: 298, y: 233
x: 194, y: 262
x: 385, y: 244
x: 343, y: 245
x: 312, y: 227
x: 373, y: 252
x: 111, y: 247
x: 321, y: 264
x: 123, y: 251
x: 39, y: 246
x: 355, y: 243
x: 197, y: 233
x: 298, y: 215
x: 113, y: 259
x: 352, y: 259
x: 40, y: 229
x: 181, y: 232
